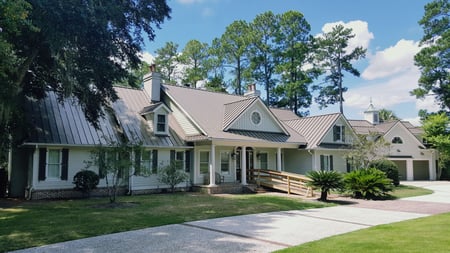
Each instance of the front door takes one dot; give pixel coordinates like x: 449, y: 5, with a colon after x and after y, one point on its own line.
x: 250, y: 162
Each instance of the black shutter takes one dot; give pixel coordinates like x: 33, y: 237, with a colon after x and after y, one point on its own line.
x: 42, y: 163
x: 331, y: 162
x: 343, y: 133
x: 137, y: 162
x: 187, y: 161
x: 102, y: 164
x: 172, y: 156
x: 335, y: 133
x: 322, y: 162
x: 155, y: 161
x: 65, y: 164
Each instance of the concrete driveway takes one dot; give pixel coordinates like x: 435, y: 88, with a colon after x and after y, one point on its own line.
x: 263, y: 232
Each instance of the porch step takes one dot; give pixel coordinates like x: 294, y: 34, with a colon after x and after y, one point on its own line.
x: 252, y: 188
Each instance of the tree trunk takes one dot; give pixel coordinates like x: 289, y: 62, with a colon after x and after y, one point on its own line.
x: 323, y: 195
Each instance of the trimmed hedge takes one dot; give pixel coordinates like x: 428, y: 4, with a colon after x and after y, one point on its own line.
x: 388, y: 167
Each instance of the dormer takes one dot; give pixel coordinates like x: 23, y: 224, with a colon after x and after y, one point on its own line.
x: 372, y: 115
x: 157, y: 116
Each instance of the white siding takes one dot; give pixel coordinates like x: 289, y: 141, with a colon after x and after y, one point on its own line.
x: 184, y: 122
x: 328, y: 138
x: 268, y: 124
x: 297, y: 161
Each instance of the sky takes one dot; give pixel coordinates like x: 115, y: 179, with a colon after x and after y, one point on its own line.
x: 389, y: 30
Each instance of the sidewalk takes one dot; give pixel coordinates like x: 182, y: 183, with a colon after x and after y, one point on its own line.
x: 264, y: 232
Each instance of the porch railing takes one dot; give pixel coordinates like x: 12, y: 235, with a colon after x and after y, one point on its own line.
x: 283, y: 181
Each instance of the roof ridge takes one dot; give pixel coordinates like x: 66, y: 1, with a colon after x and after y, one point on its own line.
x: 204, y: 90
x: 315, y: 116
x: 127, y: 87
x: 242, y: 100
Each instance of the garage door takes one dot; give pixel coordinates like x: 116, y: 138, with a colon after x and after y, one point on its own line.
x: 401, y: 164
x: 421, y: 171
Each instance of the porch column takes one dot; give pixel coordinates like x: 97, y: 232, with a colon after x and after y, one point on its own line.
x: 432, y: 167
x: 212, y: 167
x: 278, y: 159
x: 409, y: 170
x: 243, y: 166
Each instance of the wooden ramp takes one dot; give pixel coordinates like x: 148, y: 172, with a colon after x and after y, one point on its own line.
x: 283, y: 181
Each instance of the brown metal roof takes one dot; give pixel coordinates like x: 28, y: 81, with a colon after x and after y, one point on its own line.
x: 64, y: 123
x: 128, y: 110
x: 313, y: 128
x: 365, y: 127
x: 212, y: 110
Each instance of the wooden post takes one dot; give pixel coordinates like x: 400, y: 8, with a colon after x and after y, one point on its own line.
x: 289, y: 184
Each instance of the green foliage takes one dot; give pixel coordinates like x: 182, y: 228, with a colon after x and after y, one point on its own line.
x: 325, y: 181
x: 367, y: 148
x: 85, y: 181
x: 387, y: 115
x: 434, y: 58
x: 334, y: 61
x: 172, y: 175
x: 167, y: 60
x: 194, y: 56
x: 388, y: 167
x: 368, y: 183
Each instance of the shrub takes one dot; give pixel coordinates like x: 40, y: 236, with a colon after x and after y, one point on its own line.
x: 85, y: 181
x: 368, y: 183
x: 388, y: 167
x: 171, y: 175
x: 325, y: 181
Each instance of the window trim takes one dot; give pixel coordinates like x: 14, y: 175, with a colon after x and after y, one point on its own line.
x: 157, y: 123
x: 260, y: 160
x: 341, y: 137
x: 397, y: 140
x: 228, y: 154
x: 329, y: 161
x: 200, y: 161
x: 47, y: 175
x: 260, y: 117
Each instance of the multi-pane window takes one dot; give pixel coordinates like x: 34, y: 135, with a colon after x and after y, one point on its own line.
x: 54, y: 163
x: 204, y: 162
x: 263, y: 161
x: 326, y: 162
x: 161, y: 123
x: 179, y: 160
x: 225, y: 162
x: 146, y: 161
x: 397, y: 140
x: 339, y: 133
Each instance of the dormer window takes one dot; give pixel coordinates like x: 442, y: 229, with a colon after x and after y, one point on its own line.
x: 339, y: 133
x: 397, y: 140
x: 161, y: 124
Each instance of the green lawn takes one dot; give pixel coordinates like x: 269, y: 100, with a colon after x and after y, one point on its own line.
x: 430, y: 234
x: 35, y: 223
x: 405, y: 191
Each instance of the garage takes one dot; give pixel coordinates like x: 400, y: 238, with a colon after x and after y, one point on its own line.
x: 401, y: 164
x: 421, y: 170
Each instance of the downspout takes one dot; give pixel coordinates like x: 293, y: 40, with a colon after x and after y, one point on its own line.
x: 29, y: 189
x: 312, y: 159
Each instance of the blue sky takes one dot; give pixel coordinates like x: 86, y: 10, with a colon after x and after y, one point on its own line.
x: 387, y: 28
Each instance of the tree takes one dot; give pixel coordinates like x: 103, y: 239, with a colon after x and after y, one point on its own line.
x: 263, y: 50
x: 437, y: 132
x: 167, y: 60
x: 325, y: 181
x: 76, y: 50
x: 387, y: 115
x: 295, y: 47
x: 434, y: 58
x: 214, y: 65
x: 234, y: 45
x: 367, y: 148
x: 115, y: 164
x: 194, y: 55
x: 334, y: 59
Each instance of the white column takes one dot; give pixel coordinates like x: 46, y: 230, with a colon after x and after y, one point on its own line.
x: 35, y: 171
x: 432, y: 166
x: 409, y: 170
x: 279, y: 159
x: 244, y: 166
x: 212, y: 167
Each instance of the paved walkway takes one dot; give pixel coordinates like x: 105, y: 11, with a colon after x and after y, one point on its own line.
x: 263, y: 232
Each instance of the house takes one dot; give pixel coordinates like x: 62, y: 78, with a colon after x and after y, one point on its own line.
x: 214, y: 137
x: 414, y: 160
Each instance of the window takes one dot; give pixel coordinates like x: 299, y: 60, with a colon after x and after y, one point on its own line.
x: 146, y: 161
x: 204, y: 162
x: 256, y: 118
x: 54, y: 163
x: 225, y: 162
x: 326, y: 162
x: 397, y: 140
x: 161, y: 123
x: 263, y: 161
x: 179, y: 160
x: 339, y: 133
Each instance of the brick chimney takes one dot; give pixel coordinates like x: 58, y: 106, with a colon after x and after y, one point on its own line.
x: 152, y: 84
x: 252, y: 91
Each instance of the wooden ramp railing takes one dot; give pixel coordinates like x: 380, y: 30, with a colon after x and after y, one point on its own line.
x: 283, y: 181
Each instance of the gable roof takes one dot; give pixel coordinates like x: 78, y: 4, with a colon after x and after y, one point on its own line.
x: 365, y: 127
x: 212, y: 111
x: 314, y: 128
x: 129, y: 108
x: 52, y: 122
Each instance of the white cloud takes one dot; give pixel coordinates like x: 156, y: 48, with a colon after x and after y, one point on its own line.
x: 359, y: 28
x: 392, y: 60
x: 190, y: 1
x: 428, y: 103
x: 147, y: 57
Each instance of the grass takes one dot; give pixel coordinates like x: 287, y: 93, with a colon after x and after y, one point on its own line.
x: 405, y: 191
x: 428, y: 234
x: 35, y: 223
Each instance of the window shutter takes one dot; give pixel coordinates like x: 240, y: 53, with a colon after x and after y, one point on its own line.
x: 187, y: 161
x: 155, y: 160
x: 172, y: 156
x: 322, y: 162
x: 102, y: 164
x: 137, y: 162
x: 343, y: 133
x: 42, y: 163
x: 331, y: 162
x: 65, y: 164
x: 335, y: 133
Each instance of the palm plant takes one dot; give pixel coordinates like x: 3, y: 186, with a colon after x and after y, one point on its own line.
x: 325, y: 181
